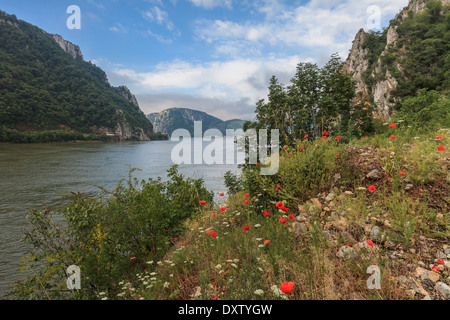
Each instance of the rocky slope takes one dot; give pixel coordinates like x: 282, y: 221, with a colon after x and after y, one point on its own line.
x: 46, y: 85
x: 377, y: 71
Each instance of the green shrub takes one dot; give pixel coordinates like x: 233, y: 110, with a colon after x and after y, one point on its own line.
x: 110, y: 237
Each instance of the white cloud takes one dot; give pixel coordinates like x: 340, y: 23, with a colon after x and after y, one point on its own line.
x: 209, y: 4
x: 316, y: 25
x: 231, y: 80
x: 267, y: 43
x: 118, y: 28
x: 159, y: 16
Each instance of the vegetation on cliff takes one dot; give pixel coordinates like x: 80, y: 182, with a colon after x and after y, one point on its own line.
x: 44, y: 88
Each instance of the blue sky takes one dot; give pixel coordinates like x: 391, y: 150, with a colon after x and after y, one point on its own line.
x: 212, y: 55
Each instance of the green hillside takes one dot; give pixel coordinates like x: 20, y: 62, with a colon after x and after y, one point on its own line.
x: 44, y: 88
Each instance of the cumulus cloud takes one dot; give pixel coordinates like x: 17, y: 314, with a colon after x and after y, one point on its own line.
x: 231, y: 80
x: 209, y: 4
x: 159, y: 16
x: 316, y: 25
x: 272, y: 40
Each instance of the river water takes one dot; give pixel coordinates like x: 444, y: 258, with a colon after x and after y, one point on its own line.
x: 32, y: 175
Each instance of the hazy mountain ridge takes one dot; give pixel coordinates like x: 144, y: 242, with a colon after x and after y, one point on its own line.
x: 172, y: 119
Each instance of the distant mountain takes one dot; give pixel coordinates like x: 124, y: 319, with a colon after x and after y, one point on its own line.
x: 47, y: 87
x: 169, y: 120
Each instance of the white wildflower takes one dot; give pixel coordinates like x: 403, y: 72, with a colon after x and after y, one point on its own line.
x: 259, y: 292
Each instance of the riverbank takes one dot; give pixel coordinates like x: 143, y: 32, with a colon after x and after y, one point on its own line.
x: 366, y: 220
x: 15, y: 136
x: 363, y: 220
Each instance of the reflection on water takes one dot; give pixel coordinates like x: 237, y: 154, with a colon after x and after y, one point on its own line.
x: 34, y: 175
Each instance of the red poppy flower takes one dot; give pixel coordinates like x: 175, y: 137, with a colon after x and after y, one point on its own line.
x: 402, y: 173
x: 323, y: 138
x: 175, y: 239
x: 266, y: 242
x: 337, y: 156
x: 282, y: 220
x: 277, y: 187
x: 222, y: 194
x: 286, y: 287
x: 132, y: 258
x: 284, y: 209
x: 247, y: 194
x: 302, y: 148
x: 291, y: 217
x: 440, y: 261
x: 306, y: 136
x: 325, y: 133
x: 394, y: 137
x: 441, y: 148
x: 392, y: 125
x: 208, y: 232
x: 266, y: 213
x: 214, y: 214
x: 370, y: 243
x: 202, y: 202
x: 439, y: 137
x: 435, y: 268
x: 258, y: 164
x: 344, y: 193
x: 246, y: 201
x: 223, y: 209
x: 246, y: 227
x: 280, y: 204
x: 214, y: 234
x: 285, y: 147
x: 372, y: 188
x: 338, y: 138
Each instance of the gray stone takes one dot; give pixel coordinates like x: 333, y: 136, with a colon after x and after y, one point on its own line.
x: 443, y: 289
x: 300, y: 228
x: 330, y: 197
x: 347, y: 252
x: 374, y: 174
x: 376, y: 234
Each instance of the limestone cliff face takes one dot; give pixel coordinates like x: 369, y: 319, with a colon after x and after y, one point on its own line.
x: 126, y: 93
x: 382, y: 82
x: 357, y: 63
x: 68, y: 47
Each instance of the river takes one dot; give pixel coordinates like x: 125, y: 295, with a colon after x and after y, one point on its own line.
x: 32, y: 175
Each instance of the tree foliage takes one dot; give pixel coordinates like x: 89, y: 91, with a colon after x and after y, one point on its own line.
x: 317, y: 99
x: 43, y: 88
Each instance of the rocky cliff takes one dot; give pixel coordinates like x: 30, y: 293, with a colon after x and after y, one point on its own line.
x: 68, y: 47
x: 169, y: 120
x: 46, y: 85
x: 378, y: 69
